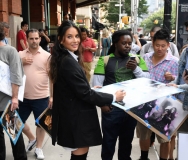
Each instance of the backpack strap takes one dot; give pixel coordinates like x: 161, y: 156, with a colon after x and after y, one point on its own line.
x: 106, y: 58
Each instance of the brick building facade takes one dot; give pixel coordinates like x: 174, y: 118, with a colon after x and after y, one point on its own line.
x: 38, y: 13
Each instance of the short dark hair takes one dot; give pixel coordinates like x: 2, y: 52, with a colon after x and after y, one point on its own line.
x: 6, y: 25
x: 186, y: 24
x: 2, y: 32
x: 83, y: 29
x: 65, y: 13
x: 23, y: 23
x: 117, y: 34
x: 162, y: 34
x: 46, y: 28
x: 116, y: 37
x: 141, y: 35
x: 129, y: 29
x: 40, y: 30
x: 32, y: 30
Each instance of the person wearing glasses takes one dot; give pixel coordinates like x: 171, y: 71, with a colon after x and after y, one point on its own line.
x: 147, y: 48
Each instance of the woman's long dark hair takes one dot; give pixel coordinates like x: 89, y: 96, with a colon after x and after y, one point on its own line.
x: 115, y: 38
x: 59, y: 50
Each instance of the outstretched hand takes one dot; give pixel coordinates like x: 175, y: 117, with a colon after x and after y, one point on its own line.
x: 120, y: 94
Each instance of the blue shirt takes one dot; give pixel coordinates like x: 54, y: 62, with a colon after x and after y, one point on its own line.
x: 5, y: 40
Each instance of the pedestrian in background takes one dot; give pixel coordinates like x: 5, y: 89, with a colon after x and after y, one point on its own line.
x: 44, y: 40
x: 21, y: 37
x: 105, y: 42
x: 147, y: 48
x: 181, y: 82
x: 142, y: 40
x: 75, y: 123
x: 88, y: 47
x: 36, y: 94
x: 136, y: 45
x: 6, y: 30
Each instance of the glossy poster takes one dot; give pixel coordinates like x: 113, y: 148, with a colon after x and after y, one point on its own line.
x: 163, y: 116
x: 12, y: 123
x: 139, y: 91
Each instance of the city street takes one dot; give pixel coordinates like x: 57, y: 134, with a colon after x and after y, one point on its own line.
x: 58, y: 153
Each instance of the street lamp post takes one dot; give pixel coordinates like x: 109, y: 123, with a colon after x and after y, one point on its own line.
x: 134, y: 15
x: 119, y: 12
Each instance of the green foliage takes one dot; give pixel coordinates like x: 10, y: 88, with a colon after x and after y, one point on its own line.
x: 112, y: 12
x: 148, y: 23
x: 173, y: 16
x: 142, y: 9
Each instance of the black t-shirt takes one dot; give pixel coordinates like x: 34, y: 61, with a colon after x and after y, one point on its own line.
x: 44, y: 43
x: 142, y: 41
x: 116, y: 71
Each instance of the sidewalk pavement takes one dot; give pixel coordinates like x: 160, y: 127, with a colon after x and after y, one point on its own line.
x: 58, y: 153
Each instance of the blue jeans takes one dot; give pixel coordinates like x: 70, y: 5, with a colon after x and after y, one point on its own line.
x: 117, y: 123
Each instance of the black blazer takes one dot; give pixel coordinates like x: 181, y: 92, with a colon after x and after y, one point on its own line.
x: 75, y: 121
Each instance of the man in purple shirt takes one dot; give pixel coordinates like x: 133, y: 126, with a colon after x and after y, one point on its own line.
x: 162, y: 67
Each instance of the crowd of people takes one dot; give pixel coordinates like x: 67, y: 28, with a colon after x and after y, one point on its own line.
x: 61, y: 81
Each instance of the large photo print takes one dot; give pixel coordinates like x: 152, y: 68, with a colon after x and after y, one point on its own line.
x: 45, y: 121
x: 5, y: 83
x: 163, y: 116
x: 12, y: 123
x: 150, y: 102
x: 139, y: 91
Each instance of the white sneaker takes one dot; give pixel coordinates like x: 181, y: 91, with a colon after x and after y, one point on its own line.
x: 39, y: 153
x: 31, y: 145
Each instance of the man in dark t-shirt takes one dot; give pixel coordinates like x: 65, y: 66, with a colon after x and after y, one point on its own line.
x: 116, y: 123
x: 142, y: 40
x: 44, y: 40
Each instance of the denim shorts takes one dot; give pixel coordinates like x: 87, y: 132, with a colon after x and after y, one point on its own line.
x: 37, y: 106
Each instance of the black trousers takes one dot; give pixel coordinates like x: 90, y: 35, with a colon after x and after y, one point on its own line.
x: 18, y: 149
x: 117, y: 124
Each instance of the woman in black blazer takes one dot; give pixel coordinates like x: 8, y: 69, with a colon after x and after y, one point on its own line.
x: 75, y: 123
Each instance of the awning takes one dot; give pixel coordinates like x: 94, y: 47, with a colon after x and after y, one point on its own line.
x: 83, y: 3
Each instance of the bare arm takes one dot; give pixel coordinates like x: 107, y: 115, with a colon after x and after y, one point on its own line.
x: 45, y: 36
x: 22, y: 44
x: 15, y: 89
x: 93, y: 49
x: 137, y: 41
